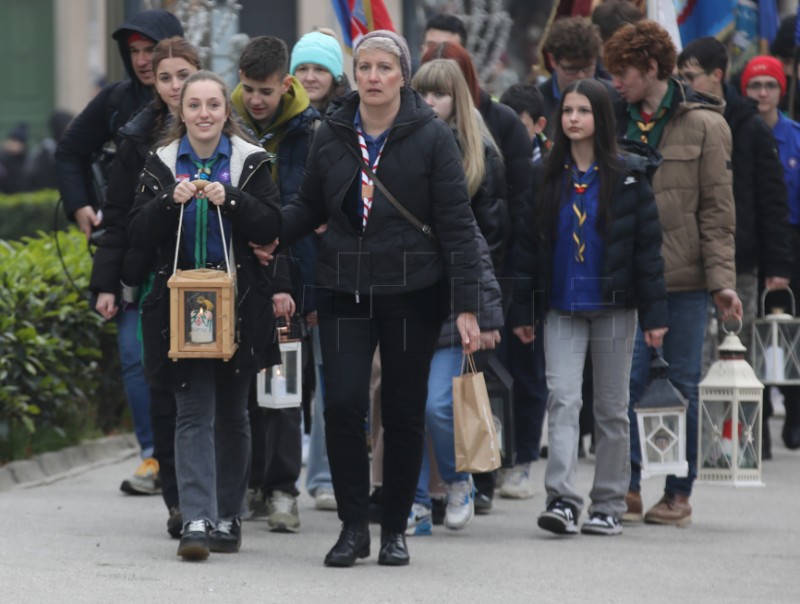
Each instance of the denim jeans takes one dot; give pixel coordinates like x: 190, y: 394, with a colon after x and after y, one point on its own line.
x: 136, y: 389
x: 683, y: 350
x: 212, y: 441
x: 446, y: 365
x: 318, y: 474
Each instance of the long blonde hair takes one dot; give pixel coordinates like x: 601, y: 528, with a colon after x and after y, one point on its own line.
x: 444, y: 76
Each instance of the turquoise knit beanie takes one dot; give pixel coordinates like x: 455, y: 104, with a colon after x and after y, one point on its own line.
x: 319, y: 48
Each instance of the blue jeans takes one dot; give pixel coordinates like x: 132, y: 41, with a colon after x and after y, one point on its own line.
x: 683, y: 350
x: 318, y: 475
x: 212, y: 441
x: 136, y: 389
x: 446, y: 365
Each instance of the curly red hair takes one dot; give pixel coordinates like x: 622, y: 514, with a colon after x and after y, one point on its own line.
x: 636, y: 45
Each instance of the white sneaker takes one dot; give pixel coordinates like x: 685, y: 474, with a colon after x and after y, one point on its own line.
x: 282, y: 510
x: 518, y: 483
x: 324, y: 499
x: 419, y: 521
x: 460, y: 504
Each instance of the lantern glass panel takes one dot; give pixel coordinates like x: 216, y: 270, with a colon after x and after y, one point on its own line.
x: 749, y: 444
x: 289, y: 369
x: 715, y: 448
x: 776, y: 346
x: 661, y: 436
x: 199, y: 313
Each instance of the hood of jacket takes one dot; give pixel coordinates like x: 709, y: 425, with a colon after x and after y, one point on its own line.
x: 640, y: 157
x: 155, y: 24
x: 686, y: 99
x: 293, y: 103
x: 737, y: 107
x: 139, y: 129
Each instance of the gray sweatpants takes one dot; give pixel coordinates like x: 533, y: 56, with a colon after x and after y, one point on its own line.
x: 566, y: 340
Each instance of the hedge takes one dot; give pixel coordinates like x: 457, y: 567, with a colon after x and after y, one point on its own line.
x: 25, y: 214
x: 58, y: 358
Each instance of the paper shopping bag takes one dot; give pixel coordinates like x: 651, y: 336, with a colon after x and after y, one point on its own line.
x: 477, y: 448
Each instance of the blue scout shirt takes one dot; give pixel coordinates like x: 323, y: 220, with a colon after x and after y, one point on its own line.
x: 787, y: 135
x: 220, y: 172
x: 578, y: 286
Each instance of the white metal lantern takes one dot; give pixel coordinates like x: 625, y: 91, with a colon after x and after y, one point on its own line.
x: 729, y: 423
x: 776, y: 345
x: 661, y: 417
x: 281, y: 386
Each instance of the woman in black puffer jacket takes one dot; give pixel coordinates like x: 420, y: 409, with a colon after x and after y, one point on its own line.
x: 384, y: 277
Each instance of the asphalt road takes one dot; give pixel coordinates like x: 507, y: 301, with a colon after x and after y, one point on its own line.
x: 79, y: 539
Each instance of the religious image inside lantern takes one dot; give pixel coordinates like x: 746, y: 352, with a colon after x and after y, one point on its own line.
x: 199, y: 317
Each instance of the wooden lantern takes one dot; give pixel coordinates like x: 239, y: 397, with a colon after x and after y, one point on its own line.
x: 202, y: 315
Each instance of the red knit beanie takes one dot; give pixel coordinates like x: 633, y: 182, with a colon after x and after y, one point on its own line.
x: 764, y: 66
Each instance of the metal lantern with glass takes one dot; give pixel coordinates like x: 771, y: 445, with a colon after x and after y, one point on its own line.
x: 730, y: 416
x: 661, y: 417
x: 776, y: 341
x: 281, y: 386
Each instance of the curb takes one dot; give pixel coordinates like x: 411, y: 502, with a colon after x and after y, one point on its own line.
x: 57, y: 465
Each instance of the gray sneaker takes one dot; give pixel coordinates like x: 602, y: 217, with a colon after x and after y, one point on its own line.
x: 282, y: 513
x: 256, y: 506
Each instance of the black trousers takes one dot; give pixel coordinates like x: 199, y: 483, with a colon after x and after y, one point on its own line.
x: 277, y: 447
x: 162, y: 414
x: 407, y: 325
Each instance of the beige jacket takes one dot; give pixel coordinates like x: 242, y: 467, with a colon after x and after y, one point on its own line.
x: 694, y: 195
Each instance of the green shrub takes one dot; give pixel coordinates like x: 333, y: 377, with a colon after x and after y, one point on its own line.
x: 57, y: 356
x: 25, y: 214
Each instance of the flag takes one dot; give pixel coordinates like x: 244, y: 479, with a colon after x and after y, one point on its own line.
x: 359, y: 17
x: 572, y: 8
x: 767, y: 21
x: 663, y: 13
x: 698, y: 19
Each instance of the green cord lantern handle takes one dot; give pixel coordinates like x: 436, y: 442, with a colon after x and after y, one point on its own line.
x: 221, y: 231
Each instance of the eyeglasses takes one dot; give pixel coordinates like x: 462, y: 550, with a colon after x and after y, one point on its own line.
x: 759, y: 86
x: 572, y: 70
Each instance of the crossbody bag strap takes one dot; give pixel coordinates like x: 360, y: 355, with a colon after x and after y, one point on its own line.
x: 421, y: 226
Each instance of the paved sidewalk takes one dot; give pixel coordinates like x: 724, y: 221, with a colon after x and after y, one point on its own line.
x: 80, y: 539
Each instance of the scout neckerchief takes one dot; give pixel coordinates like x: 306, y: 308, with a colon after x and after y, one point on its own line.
x: 580, y: 182
x: 367, y: 188
x: 201, y: 224
x: 649, y: 132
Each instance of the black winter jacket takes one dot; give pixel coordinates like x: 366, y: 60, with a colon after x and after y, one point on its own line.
x: 421, y: 166
x: 633, y: 270
x: 253, y: 207
x: 491, y: 214
x: 763, y: 234
x: 107, y: 112
x: 515, y: 146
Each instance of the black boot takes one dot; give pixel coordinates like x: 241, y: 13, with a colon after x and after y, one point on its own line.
x: 353, y: 543
x: 394, y: 551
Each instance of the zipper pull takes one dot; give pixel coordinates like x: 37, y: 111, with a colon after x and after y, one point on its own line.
x: 358, y: 298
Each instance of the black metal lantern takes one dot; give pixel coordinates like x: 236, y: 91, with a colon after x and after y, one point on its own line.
x: 661, y: 417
